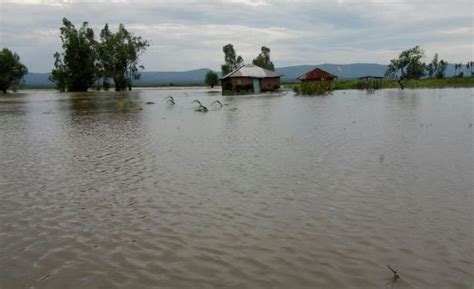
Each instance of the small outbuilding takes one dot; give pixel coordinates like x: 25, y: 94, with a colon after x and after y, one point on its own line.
x: 250, y: 78
x: 317, y: 75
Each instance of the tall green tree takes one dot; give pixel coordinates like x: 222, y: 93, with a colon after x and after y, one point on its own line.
x: 11, y: 69
x: 211, y: 78
x: 118, y: 56
x: 407, y: 66
x: 263, y: 59
x: 58, y: 74
x: 232, y: 60
x: 75, y: 68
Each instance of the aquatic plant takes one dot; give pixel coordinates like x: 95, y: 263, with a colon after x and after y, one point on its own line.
x: 313, y: 88
x: 201, y: 107
x: 170, y: 100
x: 217, y: 103
x: 394, y: 278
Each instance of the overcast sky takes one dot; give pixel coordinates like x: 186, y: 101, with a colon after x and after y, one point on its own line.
x: 187, y: 34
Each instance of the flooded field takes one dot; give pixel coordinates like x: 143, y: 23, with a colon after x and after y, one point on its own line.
x: 102, y: 190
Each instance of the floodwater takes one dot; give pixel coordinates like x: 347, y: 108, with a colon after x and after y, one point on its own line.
x: 101, y: 190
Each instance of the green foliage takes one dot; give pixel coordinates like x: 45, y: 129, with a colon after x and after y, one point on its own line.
x: 263, y: 59
x: 232, y: 61
x: 118, y: 56
x: 211, y: 78
x: 420, y: 83
x: 75, y: 68
x: 407, y: 66
x: 435, y: 68
x: 11, y: 69
x: 85, y: 60
x: 58, y: 75
x: 458, y: 70
x: 313, y: 88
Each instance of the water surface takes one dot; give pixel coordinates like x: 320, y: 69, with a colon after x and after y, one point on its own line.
x: 101, y: 190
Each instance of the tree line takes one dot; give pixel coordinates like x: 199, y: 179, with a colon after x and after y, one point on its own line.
x: 86, y: 61
x: 409, y: 65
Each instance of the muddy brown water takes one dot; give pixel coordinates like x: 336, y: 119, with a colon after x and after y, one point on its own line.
x: 101, y: 190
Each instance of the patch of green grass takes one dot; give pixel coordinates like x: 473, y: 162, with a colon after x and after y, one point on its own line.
x: 345, y: 84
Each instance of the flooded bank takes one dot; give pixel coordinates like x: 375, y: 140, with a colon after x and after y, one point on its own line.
x: 106, y: 190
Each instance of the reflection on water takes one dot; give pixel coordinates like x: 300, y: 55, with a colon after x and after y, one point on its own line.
x: 102, y: 190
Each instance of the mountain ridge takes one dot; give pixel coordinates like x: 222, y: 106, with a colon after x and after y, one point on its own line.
x: 196, y: 76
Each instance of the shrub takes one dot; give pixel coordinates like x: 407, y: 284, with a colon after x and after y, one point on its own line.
x: 313, y: 88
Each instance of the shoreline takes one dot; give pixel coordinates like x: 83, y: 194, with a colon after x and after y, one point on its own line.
x: 345, y: 84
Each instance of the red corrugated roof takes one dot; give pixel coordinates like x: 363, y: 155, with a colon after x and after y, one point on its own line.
x: 317, y: 73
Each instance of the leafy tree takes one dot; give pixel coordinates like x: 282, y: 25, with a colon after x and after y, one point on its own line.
x: 75, y: 68
x: 11, y: 69
x: 441, y: 69
x: 118, y: 56
x: 458, y: 70
x: 211, y: 78
x: 407, y: 66
x: 470, y: 67
x: 232, y: 61
x: 263, y: 59
x: 58, y: 74
x: 437, y: 68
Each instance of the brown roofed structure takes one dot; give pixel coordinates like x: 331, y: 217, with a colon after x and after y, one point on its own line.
x: 250, y: 78
x: 317, y: 75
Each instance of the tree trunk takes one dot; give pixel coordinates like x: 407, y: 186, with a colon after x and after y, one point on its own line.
x: 401, y: 84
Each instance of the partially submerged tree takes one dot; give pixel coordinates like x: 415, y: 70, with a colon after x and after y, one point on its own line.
x: 211, y: 78
x: 75, y: 68
x: 84, y: 60
x: 232, y: 61
x: 118, y: 56
x: 11, y: 69
x: 58, y: 74
x: 263, y: 59
x: 407, y: 66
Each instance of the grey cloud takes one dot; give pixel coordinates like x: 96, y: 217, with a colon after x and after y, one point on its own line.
x: 189, y: 34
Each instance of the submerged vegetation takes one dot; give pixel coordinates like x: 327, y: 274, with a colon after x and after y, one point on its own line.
x: 387, y: 83
x: 85, y: 61
x: 313, y: 88
x: 408, y: 65
x: 200, y: 107
x: 11, y: 70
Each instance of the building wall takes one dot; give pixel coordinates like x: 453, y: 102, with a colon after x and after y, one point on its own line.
x: 270, y: 84
x: 318, y: 80
x: 239, y: 84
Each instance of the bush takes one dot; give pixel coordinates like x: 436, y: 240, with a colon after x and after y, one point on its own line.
x: 313, y: 88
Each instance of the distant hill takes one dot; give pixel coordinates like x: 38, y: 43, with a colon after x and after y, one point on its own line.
x: 343, y: 71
